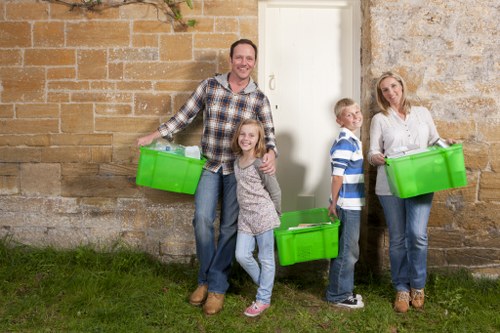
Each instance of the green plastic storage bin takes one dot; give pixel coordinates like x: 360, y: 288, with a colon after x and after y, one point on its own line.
x: 168, y: 171
x: 430, y: 171
x: 309, y: 243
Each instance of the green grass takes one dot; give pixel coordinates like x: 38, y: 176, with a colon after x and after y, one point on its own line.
x: 44, y: 290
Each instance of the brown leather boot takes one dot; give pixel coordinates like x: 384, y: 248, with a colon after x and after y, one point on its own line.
x: 214, y: 303
x: 417, y: 298
x: 199, y: 295
x: 402, y: 301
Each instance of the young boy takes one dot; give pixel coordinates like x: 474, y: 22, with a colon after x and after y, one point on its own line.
x: 347, y: 198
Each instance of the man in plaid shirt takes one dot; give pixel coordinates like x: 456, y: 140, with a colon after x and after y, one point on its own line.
x: 225, y: 100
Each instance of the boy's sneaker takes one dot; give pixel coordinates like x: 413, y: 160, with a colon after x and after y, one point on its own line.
x: 256, y: 309
x: 352, y: 302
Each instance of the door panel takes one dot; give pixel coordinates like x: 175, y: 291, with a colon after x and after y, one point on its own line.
x: 309, y: 58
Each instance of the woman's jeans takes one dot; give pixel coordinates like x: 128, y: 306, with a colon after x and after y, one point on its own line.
x: 341, y: 275
x: 263, y: 276
x: 407, y: 222
x: 215, y: 260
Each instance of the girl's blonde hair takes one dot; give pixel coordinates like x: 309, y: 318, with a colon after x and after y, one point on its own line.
x: 260, y: 147
x: 383, y: 103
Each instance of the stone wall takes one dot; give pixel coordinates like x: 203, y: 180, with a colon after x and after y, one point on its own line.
x: 78, y: 88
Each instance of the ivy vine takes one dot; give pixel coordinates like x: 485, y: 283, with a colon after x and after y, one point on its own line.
x: 171, y: 8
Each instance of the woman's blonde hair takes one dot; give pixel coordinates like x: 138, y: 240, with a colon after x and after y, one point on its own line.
x: 260, y: 147
x: 383, y: 103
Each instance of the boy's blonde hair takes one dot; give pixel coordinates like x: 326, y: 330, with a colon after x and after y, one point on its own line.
x: 260, y: 147
x: 341, y: 104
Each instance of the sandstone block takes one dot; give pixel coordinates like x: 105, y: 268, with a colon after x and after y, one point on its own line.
x: 15, y: 34
x: 176, y: 47
x: 143, y: 40
x: 489, y: 187
x: 24, y: 140
x: 27, y: 11
x: 37, y: 110
x: 9, y: 185
x: 151, y: 27
x: 92, y: 64
x: 33, y: 184
x: 48, y: 34
x: 77, y: 118
x: 27, y: 126
x: 125, y: 124
x: 66, y: 154
x: 152, y: 104
x: 91, y: 34
x: 61, y: 73
x: 49, y: 57
x: 22, y: 84
x: 113, y: 109
x: 6, y: 110
x: 214, y: 40
x: 238, y: 8
x: 10, y: 57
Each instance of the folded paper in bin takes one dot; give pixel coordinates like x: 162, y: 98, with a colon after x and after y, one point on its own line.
x: 404, y: 151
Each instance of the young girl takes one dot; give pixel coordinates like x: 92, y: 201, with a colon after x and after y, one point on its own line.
x: 259, y: 198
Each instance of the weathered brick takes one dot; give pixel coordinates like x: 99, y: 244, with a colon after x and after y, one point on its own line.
x: 92, y: 64
x: 10, y: 57
x: 445, y: 238
x: 109, y: 97
x: 32, y: 184
x: 238, y: 8
x: 66, y: 154
x: 113, y: 169
x: 79, y: 169
x: 81, y: 139
x: 473, y: 256
x: 58, y: 73
x: 15, y: 34
x: 57, y: 97
x: 143, y: 40
x: 176, y: 47
x: 101, y: 154
x: 62, y: 12
x: 495, y: 157
x: 125, y: 125
x: 37, y: 111
x: 151, y: 27
x: 15, y: 155
x: 489, y: 187
x: 9, y: 185
x: 68, y: 85
x: 48, y: 34
x: 91, y: 34
x: 226, y: 24
x: 214, y: 40
x: 488, y: 129
x: 463, y: 130
x: 29, y: 126
x: 142, y: 12
x: 115, y: 71
x: 9, y: 169
x: 97, y: 186
x: 172, y: 71
x: 152, y: 104
x: 134, y: 85
x: 203, y: 24
x: 49, y: 57
x: 26, y: 11
x: 113, y: 109
x: 6, y: 110
x: 102, y: 85
x: 247, y: 28
x: 181, y: 86
x: 77, y: 118
x: 24, y: 140
x: 22, y: 84
x: 133, y: 54
x: 476, y: 155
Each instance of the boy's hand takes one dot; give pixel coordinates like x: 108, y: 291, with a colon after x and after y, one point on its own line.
x: 269, y: 163
x: 332, y: 209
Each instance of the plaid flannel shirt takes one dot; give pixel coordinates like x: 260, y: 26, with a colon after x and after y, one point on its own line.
x: 222, y: 110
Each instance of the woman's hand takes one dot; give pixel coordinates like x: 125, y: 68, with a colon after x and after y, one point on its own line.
x: 377, y: 159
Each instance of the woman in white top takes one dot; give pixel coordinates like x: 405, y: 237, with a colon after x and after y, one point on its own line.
x: 401, y: 124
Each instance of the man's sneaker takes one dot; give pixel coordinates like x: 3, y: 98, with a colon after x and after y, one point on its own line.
x: 417, y: 298
x: 402, y: 301
x: 256, y: 309
x: 352, y: 302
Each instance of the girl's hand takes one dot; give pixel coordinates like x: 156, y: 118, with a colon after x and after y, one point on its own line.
x: 269, y: 163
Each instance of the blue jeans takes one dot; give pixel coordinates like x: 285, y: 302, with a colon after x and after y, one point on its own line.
x: 215, y: 260
x: 263, y: 276
x: 341, y: 275
x: 407, y: 222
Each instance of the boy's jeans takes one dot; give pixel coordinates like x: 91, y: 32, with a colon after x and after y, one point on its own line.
x: 341, y: 275
x: 263, y: 276
x: 407, y: 223
x: 215, y: 261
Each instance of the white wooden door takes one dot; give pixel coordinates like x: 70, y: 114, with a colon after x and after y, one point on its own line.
x: 309, y: 58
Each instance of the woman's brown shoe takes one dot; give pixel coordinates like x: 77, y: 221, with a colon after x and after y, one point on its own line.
x: 402, y: 301
x: 199, y: 295
x: 417, y: 298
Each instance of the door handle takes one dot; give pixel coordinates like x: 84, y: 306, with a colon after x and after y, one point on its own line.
x: 272, y: 82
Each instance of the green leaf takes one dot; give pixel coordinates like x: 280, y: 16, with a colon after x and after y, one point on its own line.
x: 189, y: 3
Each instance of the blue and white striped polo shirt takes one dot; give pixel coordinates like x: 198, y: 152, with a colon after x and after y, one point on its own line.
x: 346, y: 159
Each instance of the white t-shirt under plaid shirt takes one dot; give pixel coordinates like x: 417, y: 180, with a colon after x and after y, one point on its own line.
x: 346, y: 158
x: 222, y: 110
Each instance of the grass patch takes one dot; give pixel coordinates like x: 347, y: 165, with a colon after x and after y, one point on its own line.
x: 82, y: 290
